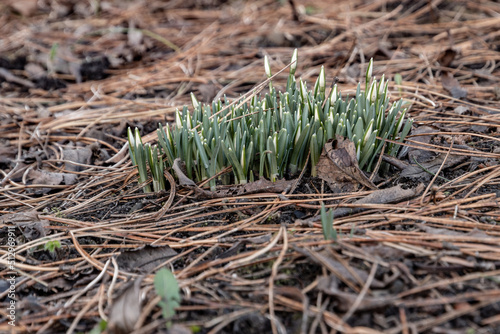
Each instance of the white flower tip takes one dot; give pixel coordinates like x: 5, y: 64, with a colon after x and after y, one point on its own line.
x: 322, y: 78
x: 178, y: 120
x: 194, y: 101
x: 137, y: 136
x: 369, y: 70
x: 333, y: 95
x: 293, y: 62
x: 267, y: 67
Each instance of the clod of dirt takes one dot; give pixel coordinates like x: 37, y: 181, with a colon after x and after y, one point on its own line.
x: 95, y: 69
x: 49, y: 83
x: 446, y: 57
x: 16, y: 63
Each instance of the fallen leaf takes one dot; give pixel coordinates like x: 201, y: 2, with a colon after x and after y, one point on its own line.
x: 34, y: 71
x: 80, y: 155
x: 29, y: 223
x: 424, y: 171
x: 385, y: 252
x: 49, y: 179
x: 260, y: 186
x: 444, y: 231
x: 179, y: 329
x: 453, y: 86
x: 417, y: 152
x: 208, y: 92
x: 394, y: 194
x: 144, y: 259
x: 460, y: 110
x: 7, y: 154
x: 338, y: 166
x: 183, y: 179
x: 134, y: 36
x: 347, y: 299
x: 126, y: 309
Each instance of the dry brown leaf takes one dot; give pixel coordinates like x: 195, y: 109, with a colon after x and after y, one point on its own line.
x: 346, y: 299
x: 260, y: 186
x: 29, y: 223
x: 425, y: 170
x: 145, y: 259
x: 338, y: 166
x: 420, y: 152
x: 80, y: 155
x: 394, y: 194
x: 183, y: 179
x: 49, y: 179
x: 453, y: 86
x: 7, y: 154
x: 126, y: 309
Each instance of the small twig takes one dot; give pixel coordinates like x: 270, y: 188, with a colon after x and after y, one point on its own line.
x: 274, y: 272
x: 429, y: 172
x: 362, y: 294
x: 8, y: 76
x: 436, y: 175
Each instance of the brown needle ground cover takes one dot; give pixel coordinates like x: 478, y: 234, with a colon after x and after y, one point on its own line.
x: 75, y: 74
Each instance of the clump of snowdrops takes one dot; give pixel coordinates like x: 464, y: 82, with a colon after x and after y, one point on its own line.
x: 273, y: 135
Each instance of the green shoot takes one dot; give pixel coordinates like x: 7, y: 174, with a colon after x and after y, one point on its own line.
x: 271, y: 136
x: 327, y: 224
x: 167, y: 288
x: 52, y: 245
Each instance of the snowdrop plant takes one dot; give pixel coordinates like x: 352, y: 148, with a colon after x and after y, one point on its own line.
x: 274, y: 135
x: 137, y: 153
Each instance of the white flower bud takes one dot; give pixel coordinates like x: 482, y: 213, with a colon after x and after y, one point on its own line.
x: 381, y: 85
x: 333, y: 95
x: 372, y: 94
x: 178, y: 119
x: 322, y: 79
x: 267, y: 67
x: 138, y: 139
x: 194, y: 101
x: 297, y: 136
x: 189, y: 121
x: 316, y: 113
x: 293, y: 67
x: 369, y: 70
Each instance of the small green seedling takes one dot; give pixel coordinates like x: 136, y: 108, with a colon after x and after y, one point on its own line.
x: 168, y: 289
x: 52, y: 245
x: 327, y: 224
x: 138, y: 155
x: 99, y: 328
x: 398, y: 79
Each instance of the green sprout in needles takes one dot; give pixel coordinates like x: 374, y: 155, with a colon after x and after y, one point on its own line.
x: 273, y: 135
